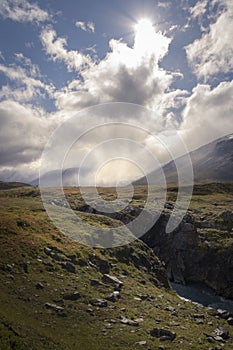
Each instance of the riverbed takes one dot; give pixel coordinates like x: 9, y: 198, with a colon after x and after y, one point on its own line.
x: 203, y: 295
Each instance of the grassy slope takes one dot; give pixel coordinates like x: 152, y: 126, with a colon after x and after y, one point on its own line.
x: 25, y: 323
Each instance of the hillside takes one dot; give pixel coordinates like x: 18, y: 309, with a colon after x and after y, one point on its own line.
x: 211, y: 162
x: 56, y: 294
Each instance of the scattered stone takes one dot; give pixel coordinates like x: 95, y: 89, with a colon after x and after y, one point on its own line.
x: 73, y: 296
x: 9, y: 267
x: 10, y: 276
x: 199, y: 321
x: 25, y: 267
x: 221, y: 332
x: 47, y: 263
x: 54, y: 307
x: 223, y: 313
x: 99, y: 302
x: 170, y: 308
x: 142, y: 342
x: 198, y: 316
x: 39, y: 286
x: 146, y: 297
x: 115, y: 296
x: 68, y: 266
x: 163, y: 334
x: 230, y: 321
x: 47, y: 251
x: 95, y: 282
x: 123, y: 309
x: 113, y: 280
x: 129, y: 322
x: 89, y: 310
x: 169, y: 206
x: 161, y: 347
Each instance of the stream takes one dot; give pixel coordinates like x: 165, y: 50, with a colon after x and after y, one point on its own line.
x: 203, y: 295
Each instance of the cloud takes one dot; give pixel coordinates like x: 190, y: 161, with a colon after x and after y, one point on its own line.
x: 25, y: 81
x: 24, y: 131
x: 23, y: 11
x: 164, y: 4
x: 86, y: 27
x: 125, y: 74
x: 199, y: 9
x: 56, y: 48
x: 213, y: 52
x: 208, y: 114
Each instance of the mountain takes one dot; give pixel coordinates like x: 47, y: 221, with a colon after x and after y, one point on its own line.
x: 211, y: 162
x: 52, y: 178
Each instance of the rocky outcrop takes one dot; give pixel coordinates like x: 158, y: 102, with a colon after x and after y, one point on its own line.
x: 188, y: 258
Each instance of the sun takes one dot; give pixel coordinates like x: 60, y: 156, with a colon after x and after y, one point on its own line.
x: 145, y: 37
x: 144, y: 27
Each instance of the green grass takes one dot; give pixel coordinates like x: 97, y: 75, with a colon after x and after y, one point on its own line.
x: 25, y: 323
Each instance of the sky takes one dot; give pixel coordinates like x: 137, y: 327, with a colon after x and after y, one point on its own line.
x: 57, y: 58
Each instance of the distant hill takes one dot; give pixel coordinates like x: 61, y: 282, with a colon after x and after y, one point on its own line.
x: 212, y: 162
x: 52, y: 178
x: 9, y: 185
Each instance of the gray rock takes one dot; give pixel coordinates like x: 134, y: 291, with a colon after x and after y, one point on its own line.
x: 113, y: 280
x: 39, y: 286
x: 73, y: 296
x: 115, y: 296
x: 222, y: 333
x: 129, y: 322
x: 99, y: 302
x: 142, y: 342
x: 68, y: 266
x: 163, y: 334
x: 230, y: 321
x: 54, y: 307
x: 95, y: 282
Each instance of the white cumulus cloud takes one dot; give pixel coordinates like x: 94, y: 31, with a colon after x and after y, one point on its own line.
x: 213, y: 52
x: 23, y: 11
x: 86, y: 26
x: 56, y: 48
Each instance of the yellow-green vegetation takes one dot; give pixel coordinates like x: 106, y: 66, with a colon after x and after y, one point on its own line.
x: 32, y: 257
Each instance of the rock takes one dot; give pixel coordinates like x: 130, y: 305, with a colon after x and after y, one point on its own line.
x: 47, y: 251
x: 99, y: 302
x: 142, y: 342
x: 146, y: 297
x: 115, y: 296
x: 113, y: 280
x: 54, y: 307
x: 9, y: 267
x: 73, y: 296
x: 102, y: 265
x: 169, y: 206
x: 223, y: 313
x: 10, y: 276
x: 170, y: 308
x: 198, y: 316
x: 25, y: 267
x: 68, y: 266
x: 39, y: 286
x: 230, y: 321
x: 129, y: 322
x: 163, y: 334
x: 199, y: 321
x: 221, y: 332
x: 95, y: 282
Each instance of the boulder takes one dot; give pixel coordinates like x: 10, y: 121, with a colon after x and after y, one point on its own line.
x: 113, y: 280
x: 163, y: 334
x: 73, y: 296
x: 99, y: 302
x: 68, y: 266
